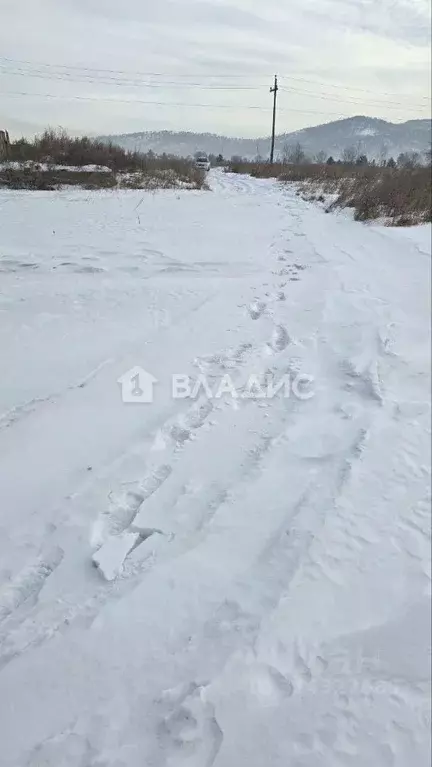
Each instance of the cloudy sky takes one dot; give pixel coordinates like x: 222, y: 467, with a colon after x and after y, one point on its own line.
x: 111, y: 66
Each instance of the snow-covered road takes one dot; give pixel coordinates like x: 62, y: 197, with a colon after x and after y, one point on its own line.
x: 262, y: 594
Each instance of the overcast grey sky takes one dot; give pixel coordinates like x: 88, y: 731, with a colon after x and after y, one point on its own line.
x: 207, y: 64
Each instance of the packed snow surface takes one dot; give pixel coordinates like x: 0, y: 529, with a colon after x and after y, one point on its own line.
x: 237, y: 581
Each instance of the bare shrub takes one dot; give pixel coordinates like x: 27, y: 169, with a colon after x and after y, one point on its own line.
x: 56, y: 148
x: 400, y: 195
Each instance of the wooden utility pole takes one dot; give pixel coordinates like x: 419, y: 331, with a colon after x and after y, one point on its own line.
x: 274, y: 90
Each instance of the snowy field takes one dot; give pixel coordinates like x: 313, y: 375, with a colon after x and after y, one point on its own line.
x: 228, y: 581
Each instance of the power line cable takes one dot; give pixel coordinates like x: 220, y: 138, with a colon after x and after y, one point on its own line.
x: 132, y: 72
x: 184, y: 86
x: 349, y: 100
x: 172, y: 104
x: 213, y: 76
x: 125, y: 83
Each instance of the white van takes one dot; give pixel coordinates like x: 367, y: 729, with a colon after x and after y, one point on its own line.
x: 202, y: 161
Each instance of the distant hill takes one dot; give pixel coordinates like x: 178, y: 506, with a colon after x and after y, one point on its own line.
x: 369, y: 135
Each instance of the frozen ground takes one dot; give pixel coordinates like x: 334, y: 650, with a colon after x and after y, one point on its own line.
x: 237, y: 583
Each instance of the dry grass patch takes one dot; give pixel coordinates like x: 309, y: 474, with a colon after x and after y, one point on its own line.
x: 401, y: 196
x: 55, y: 159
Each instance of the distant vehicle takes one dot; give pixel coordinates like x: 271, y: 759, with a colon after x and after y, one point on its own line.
x: 202, y: 162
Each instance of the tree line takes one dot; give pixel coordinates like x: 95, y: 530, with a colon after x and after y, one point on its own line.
x: 294, y: 154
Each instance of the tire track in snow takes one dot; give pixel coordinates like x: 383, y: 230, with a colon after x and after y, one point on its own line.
x: 114, y: 535
x: 122, y: 511
x: 29, y: 582
x: 118, y: 519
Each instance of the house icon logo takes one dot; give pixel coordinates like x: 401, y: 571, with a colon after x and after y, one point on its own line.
x: 137, y: 385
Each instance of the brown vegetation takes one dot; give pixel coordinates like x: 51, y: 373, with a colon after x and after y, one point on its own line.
x: 54, y: 159
x: 35, y: 178
x: 402, y: 196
